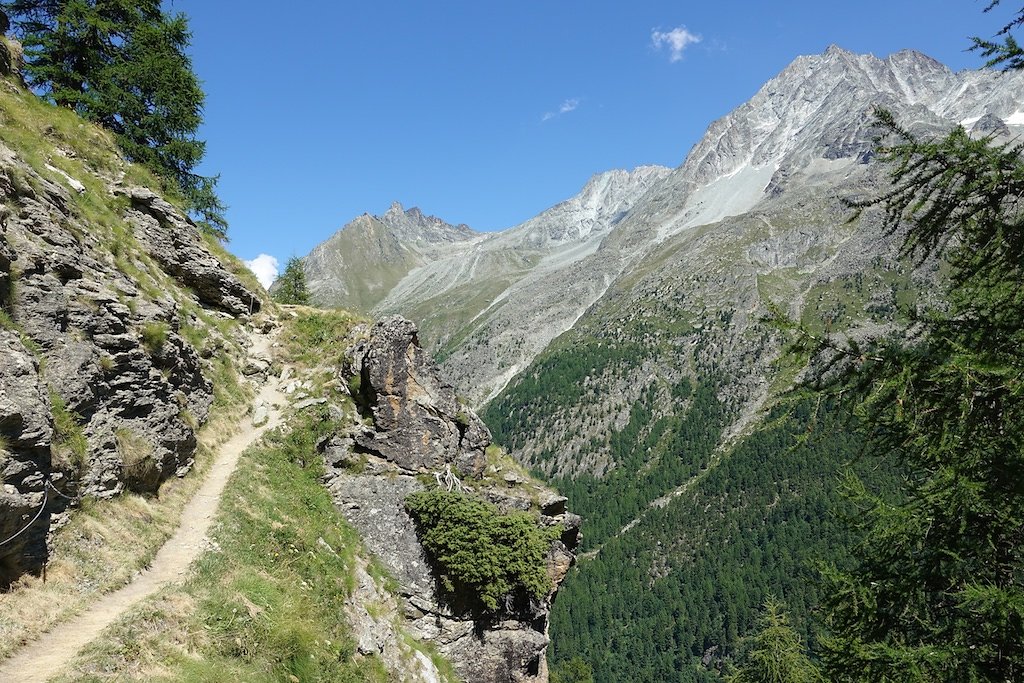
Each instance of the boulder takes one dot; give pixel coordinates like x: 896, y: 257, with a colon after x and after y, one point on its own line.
x: 419, y: 424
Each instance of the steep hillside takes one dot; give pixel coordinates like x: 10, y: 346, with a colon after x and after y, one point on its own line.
x: 113, y: 305
x: 286, y: 588
x: 649, y: 416
x: 361, y: 263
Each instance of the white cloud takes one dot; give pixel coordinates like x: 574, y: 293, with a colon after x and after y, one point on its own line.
x: 567, y: 106
x: 265, y: 268
x: 676, y: 40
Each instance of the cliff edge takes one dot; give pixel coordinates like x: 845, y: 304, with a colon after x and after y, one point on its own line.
x: 414, y: 435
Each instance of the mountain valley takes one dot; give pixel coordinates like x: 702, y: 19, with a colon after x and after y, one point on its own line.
x: 600, y: 445
x: 620, y: 346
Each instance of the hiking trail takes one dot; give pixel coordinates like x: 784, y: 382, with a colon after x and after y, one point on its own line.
x: 43, y: 658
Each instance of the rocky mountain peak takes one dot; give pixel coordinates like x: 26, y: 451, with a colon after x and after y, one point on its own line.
x: 604, y: 200
x: 413, y: 224
x: 819, y: 107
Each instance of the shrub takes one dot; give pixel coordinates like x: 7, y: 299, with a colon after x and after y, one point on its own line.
x: 482, y: 554
x: 140, y: 468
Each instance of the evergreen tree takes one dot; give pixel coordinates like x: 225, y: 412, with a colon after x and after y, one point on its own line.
x: 778, y: 654
x: 1008, y: 53
x: 291, y: 286
x: 937, y: 591
x: 574, y: 670
x: 122, y: 64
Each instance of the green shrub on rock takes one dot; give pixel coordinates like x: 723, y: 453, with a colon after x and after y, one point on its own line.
x: 483, y: 555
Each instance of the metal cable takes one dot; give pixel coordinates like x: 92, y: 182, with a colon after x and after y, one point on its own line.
x: 25, y: 528
x: 50, y: 483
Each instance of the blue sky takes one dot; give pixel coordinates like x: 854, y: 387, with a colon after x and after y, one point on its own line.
x: 487, y: 113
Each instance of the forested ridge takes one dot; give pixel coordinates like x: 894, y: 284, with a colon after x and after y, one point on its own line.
x: 690, y: 578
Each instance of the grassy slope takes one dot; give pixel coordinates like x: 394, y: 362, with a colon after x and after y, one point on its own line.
x: 374, y: 262
x: 266, y: 603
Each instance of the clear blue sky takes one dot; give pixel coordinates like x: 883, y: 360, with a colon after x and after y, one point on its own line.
x: 487, y: 113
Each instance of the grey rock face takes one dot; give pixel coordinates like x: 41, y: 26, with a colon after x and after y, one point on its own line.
x: 418, y: 423
x: 418, y: 426
x: 990, y: 124
x: 25, y: 437
x: 174, y: 241
x: 5, y: 271
x: 96, y: 347
x: 414, y: 225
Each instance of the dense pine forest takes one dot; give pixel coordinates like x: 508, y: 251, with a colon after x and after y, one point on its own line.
x: 685, y: 583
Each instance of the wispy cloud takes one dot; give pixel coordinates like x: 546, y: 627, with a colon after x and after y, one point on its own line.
x: 676, y: 40
x: 265, y: 268
x: 567, y: 106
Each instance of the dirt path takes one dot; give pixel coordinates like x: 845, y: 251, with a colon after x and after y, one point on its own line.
x: 40, y: 660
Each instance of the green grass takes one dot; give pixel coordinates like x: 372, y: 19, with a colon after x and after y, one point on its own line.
x: 267, y: 604
x: 69, y: 442
x: 154, y: 336
x: 317, y: 337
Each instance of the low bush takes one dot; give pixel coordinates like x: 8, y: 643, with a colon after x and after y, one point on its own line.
x: 481, y: 553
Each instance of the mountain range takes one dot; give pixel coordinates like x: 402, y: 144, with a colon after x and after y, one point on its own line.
x: 618, y: 345
x: 488, y: 303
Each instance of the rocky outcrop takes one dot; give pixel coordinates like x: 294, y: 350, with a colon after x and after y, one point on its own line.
x: 25, y: 437
x: 418, y: 423
x: 173, y: 240
x: 12, y: 56
x: 373, y: 613
x: 415, y: 434
x: 100, y: 392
